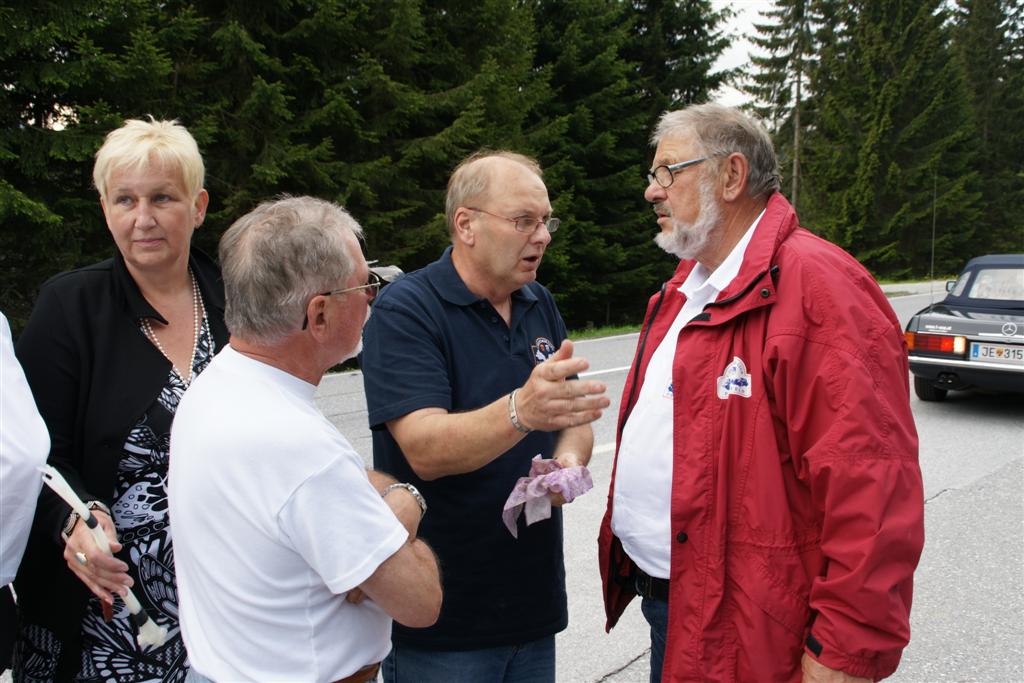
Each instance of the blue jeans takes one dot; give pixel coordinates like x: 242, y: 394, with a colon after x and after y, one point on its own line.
x: 532, y: 662
x: 656, y: 614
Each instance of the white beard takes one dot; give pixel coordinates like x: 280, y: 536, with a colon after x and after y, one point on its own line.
x: 359, y: 346
x: 690, y: 240
x: 355, y: 352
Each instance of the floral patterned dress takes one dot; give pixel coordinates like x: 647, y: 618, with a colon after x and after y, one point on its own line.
x: 110, y: 652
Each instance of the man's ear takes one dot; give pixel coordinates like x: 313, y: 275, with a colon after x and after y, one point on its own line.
x: 734, y: 177
x: 463, y: 226
x: 315, y: 312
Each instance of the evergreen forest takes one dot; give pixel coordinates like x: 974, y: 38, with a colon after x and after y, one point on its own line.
x: 895, y: 120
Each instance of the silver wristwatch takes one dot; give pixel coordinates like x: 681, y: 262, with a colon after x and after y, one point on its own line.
x: 413, y: 491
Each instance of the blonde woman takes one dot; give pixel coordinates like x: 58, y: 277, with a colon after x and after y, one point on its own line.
x: 108, y: 351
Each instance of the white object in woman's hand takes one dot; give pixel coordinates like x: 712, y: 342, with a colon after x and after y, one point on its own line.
x: 101, y: 572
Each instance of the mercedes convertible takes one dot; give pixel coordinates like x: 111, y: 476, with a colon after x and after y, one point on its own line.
x: 973, y: 338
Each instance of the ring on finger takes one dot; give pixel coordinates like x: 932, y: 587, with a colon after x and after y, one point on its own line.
x: 82, y: 559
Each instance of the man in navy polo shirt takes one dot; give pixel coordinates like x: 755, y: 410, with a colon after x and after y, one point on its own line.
x: 468, y: 376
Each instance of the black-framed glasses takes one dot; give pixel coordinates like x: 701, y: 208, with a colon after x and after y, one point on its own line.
x: 526, y: 224
x: 664, y: 175
x: 377, y: 278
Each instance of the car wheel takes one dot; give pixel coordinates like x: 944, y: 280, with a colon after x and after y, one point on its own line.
x: 926, y: 391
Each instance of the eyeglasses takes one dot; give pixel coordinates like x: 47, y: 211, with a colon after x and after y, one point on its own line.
x: 373, y: 282
x: 664, y: 175
x: 526, y: 223
x: 377, y: 278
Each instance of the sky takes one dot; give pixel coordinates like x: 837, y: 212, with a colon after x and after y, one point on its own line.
x: 740, y: 26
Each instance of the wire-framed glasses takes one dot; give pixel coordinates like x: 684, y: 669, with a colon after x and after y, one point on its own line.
x: 664, y: 175
x: 526, y: 224
x: 373, y: 282
x: 377, y: 278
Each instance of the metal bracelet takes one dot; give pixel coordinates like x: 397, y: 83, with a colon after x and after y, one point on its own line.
x: 413, y: 491
x: 513, y: 416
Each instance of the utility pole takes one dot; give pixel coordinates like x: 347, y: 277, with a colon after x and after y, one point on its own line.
x: 935, y: 199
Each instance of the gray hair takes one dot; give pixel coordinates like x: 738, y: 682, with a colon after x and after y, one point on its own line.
x: 472, y: 178
x: 276, y: 258
x: 720, y: 131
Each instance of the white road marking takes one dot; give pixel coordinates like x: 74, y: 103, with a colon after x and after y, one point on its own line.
x: 614, y: 336
x: 594, y: 373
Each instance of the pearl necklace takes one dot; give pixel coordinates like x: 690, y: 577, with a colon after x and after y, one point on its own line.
x: 198, y: 317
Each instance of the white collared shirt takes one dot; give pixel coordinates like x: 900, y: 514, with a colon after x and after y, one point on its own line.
x: 641, y: 510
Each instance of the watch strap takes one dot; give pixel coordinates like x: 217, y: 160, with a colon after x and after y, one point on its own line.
x: 413, y: 491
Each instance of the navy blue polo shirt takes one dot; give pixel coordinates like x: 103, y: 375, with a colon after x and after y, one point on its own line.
x: 431, y: 343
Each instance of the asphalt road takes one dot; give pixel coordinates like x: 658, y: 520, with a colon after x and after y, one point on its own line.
x: 968, y: 614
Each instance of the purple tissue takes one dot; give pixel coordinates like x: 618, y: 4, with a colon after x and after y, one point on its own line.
x: 531, y: 492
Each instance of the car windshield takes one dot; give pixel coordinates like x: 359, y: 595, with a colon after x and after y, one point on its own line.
x: 1001, y: 284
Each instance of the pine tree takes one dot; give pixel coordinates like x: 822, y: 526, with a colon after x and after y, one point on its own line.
x: 789, y: 41
x: 985, y: 45
x: 892, y: 149
x: 472, y: 86
x: 1013, y: 146
x: 676, y: 45
x: 590, y: 138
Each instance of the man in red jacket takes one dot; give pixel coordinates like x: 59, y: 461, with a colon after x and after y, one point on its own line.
x: 766, y: 500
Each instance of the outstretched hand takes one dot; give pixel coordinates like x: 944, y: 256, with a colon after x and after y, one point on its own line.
x: 549, y: 401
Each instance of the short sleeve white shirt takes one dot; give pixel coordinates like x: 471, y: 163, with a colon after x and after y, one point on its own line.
x: 274, y: 520
x: 642, y: 500
x: 24, y: 444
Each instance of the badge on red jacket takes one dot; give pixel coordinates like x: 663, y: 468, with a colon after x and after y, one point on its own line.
x: 735, y: 381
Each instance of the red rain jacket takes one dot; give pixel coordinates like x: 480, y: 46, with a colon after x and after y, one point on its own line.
x: 797, y: 511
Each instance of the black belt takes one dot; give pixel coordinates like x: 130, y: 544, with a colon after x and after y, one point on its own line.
x: 650, y: 587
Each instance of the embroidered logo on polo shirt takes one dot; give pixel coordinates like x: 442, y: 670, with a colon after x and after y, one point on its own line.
x: 542, y: 349
x: 734, y: 381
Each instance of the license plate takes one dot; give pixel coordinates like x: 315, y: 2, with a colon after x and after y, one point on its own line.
x: 997, y: 353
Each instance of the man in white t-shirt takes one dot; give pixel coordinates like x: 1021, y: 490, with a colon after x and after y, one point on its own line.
x: 291, y: 559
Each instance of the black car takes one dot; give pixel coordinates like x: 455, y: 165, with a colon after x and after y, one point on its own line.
x: 974, y: 338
